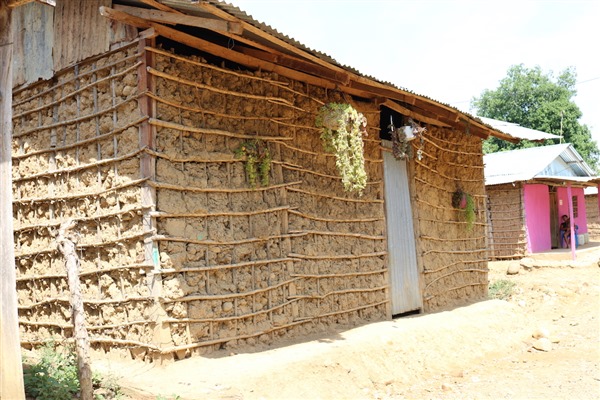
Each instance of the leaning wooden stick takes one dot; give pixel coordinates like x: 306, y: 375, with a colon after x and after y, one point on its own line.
x: 65, y: 243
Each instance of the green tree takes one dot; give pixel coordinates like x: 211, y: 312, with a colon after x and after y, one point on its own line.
x: 538, y: 101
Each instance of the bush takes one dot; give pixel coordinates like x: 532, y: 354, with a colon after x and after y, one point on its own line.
x: 54, y: 377
x: 501, y: 289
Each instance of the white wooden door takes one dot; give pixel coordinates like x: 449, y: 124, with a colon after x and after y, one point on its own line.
x: 404, y: 275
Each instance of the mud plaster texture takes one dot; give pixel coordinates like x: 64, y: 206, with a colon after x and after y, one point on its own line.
x: 210, y: 262
x: 75, y: 156
x: 593, y: 219
x: 452, y: 256
x: 244, y: 266
x: 507, y: 231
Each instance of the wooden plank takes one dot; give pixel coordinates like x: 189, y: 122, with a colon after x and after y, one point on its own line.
x: 17, y: 3
x: 160, y: 6
x: 182, y: 19
x: 33, y: 37
x: 79, y: 32
x: 415, y: 115
x: 11, y: 370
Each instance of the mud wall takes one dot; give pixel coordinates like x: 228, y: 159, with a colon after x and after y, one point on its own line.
x: 593, y: 219
x: 452, y: 256
x: 507, y: 230
x: 243, y: 265
x: 76, y: 156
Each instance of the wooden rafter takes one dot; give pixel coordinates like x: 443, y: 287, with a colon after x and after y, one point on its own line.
x: 413, y: 114
x: 160, y: 6
x: 17, y: 3
x: 214, y: 49
x: 182, y: 19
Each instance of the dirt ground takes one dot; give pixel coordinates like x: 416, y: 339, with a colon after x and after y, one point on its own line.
x: 482, y: 351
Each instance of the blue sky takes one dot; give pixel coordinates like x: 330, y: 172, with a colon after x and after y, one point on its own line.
x: 449, y: 50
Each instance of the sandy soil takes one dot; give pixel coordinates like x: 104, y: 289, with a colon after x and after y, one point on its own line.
x: 481, y: 351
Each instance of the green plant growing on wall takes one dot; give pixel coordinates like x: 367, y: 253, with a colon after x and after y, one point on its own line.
x: 464, y: 201
x: 342, y: 128
x: 258, y: 161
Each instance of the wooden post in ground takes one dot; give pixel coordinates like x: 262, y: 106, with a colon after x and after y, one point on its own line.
x: 11, y: 368
x: 66, y: 245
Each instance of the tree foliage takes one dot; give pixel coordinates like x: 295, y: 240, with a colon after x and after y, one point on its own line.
x: 538, y: 101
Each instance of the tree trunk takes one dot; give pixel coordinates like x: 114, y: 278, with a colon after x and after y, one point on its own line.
x: 66, y: 245
x: 11, y: 368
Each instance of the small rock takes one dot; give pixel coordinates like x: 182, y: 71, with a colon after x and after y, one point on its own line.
x: 513, y: 268
x: 540, y: 332
x: 227, y: 306
x: 527, y: 262
x: 542, y: 344
x: 522, y: 303
x: 446, y: 387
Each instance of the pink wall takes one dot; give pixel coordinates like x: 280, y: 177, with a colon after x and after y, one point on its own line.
x: 563, y: 209
x: 537, y: 217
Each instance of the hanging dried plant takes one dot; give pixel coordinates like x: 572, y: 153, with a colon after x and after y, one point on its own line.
x: 258, y: 161
x: 342, y: 128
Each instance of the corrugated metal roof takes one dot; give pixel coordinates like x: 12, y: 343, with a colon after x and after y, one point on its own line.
x: 517, y: 130
x: 543, y: 162
x: 192, y: 7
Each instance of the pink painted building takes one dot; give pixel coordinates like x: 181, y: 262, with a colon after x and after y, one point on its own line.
x: 529, y: 190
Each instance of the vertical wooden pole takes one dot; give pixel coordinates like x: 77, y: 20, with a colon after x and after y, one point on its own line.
x: 66, y: 246
x: 11, y: 369
x: 573, y: 233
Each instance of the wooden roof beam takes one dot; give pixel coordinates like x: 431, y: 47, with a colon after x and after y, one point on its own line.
x: 182, y: 19
x: 214, y: 49
x: 413, y: 114
x: 17, y: 3
x: 160, y: 6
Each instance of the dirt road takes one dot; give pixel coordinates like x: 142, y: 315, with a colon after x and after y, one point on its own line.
x: 482, y: 351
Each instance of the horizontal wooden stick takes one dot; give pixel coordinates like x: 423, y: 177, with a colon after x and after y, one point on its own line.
x: 190, y: 346
x: 436, y: 172
x: 213, y: 67
x: 322, y: 154
x: 342, y: 275
x: 168, y: 186
x: 439, y: 239
x: 78, y: 195
x: 428, y: 298
x: 164, y: 75
x: 85, y: 273
x: 66, y: 82
x: 202, y: 111
x: 81, y: 142
x: 171, y: 125
x: 331, y: 314
x: 225, y: 319
x: 80, y: 167
x: 85, y: 301
x: 454, y: 251
x: 335, y: 220
x: 88, y: 245
x: 374, y: 201
x: 244, y: 264
x: 338, y: 292
x: 447, y: 150
x: 338, y: 257
x: 162, y: 238
x: 229, y: 295
x: 336, y: 177
x: 458, y: 271
x: 161, y: 214
x: 341, y: 234
x: 78, y: 119
x: 80, y: 90
x: 96, y: 217
x: 462, y: 262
